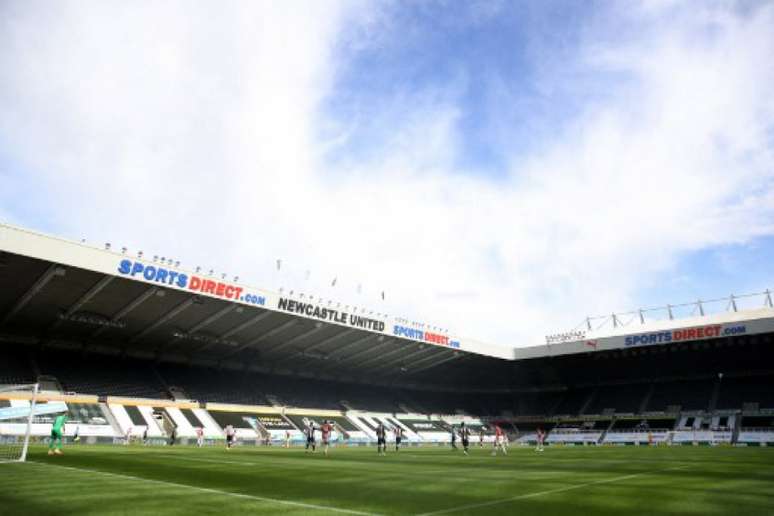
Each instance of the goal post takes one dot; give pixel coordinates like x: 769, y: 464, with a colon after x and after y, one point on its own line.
x: 17, y: 413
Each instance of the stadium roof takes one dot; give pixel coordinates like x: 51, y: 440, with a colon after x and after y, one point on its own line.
x: 65, y: 293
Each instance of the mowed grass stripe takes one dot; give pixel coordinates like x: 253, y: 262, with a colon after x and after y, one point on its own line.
x: 435, y: 457
x: 726, y: 481
x: 232, y: 494
x: 482, y: 466
x: 546, y: 492
x: 67, y: 491
x: 397, y: 470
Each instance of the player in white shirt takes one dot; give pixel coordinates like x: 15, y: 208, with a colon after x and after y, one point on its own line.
x: 499, y: 442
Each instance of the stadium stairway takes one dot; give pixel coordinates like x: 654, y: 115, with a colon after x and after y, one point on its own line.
x: 589, y: 400
x: 211, y: 427
x: 715, y: 395
x: 162, y: 381
x: 33, y: 364
x: 605, y: 431
x: 182, y: 425
x: 410, y: 434
x: 646, y: 399
x: 360, y: 424
x: 341, y: 430
x: 275, y: 400
x: 263, y: 434
x: 111, y: 418
x: 49, y: 383
x: 737, y: 428
x: 405, y: 408
x: 555, y: 405
x: 178, y: 393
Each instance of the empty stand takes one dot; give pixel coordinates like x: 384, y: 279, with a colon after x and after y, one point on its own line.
x: 236, y: 419
x: 208, y: 384
x: 688, y: 394
x: 102, y: 375
x: 89, y: 373
x: 734, y: 392
x: 15, y: 367
x: 86, y: 413
x: 643, y: 424
x: 191, y: 418
x: 618, y: 398
x: 761, y: 422
x: 573, y: 400
x: 135, y: 416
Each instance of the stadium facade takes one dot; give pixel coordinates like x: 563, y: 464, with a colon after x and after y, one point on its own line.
x: 139, y: 345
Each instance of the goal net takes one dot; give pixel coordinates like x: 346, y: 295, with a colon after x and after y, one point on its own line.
x: 18, y: 405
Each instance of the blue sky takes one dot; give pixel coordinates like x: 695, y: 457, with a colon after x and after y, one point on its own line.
x: 490, y: 59
x: 499, y: 168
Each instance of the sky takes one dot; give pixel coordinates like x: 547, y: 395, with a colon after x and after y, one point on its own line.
x: 499, y: 169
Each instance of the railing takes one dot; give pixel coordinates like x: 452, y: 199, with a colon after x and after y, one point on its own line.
x: 643, y: 431
x: 698, y: 308
x: 566, y: 430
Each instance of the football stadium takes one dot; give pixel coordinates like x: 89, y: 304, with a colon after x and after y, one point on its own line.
x: 386, y: 257
x: 130, y: 385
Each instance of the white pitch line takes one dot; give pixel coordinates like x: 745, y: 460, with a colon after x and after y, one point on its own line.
x: 212, y: 461
x: 542, y: 493
x: 215, y: 491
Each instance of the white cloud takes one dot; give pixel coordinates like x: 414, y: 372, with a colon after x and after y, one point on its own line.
x: 194, y: 131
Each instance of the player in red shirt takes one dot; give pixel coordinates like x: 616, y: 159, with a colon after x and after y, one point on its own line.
x: 541, y: 435
x: 499, y: 442
x: 325, y: 430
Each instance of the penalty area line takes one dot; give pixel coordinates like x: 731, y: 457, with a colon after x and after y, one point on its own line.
x: 547, y: 492
x: 214, y: 491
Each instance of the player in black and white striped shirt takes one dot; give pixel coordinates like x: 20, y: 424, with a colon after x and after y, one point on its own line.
x: 310, y: 442
x: 398, y: 437
x: 465, y: 435
x: 381, y: 439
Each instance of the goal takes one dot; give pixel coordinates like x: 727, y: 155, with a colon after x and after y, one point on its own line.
x: 17, y: 411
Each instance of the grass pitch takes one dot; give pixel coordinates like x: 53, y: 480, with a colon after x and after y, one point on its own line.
x: 113, y: 480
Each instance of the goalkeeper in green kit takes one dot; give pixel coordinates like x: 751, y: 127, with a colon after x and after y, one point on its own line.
x: 56, y: 435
